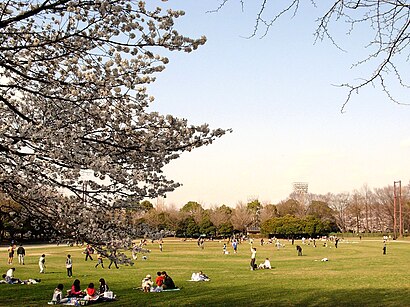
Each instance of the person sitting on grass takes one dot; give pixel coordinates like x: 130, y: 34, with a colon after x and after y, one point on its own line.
x: 76, y: 289
x: 168, y: 282
x: 159, y: 280
x: 91, y: 293
x: 10, y: 272
x: 147, y: 283
x: 58, y: 296
x: 265, y: 265
x: 103, y: 287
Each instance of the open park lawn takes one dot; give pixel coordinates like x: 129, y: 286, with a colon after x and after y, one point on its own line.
x: 357, y: 274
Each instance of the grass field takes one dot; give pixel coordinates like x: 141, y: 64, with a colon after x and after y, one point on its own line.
x: 357, y: 274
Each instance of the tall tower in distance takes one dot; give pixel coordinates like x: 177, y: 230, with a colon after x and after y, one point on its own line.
x: 300, y: 187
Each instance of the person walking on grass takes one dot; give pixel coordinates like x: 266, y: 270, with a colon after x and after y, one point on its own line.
x: 88, y: 252
x: 42, y: 263
x: 69, y: 266
x: 253, y: 258
x: 100, y: 260
x: 299, y: 250
x: 113, y: 259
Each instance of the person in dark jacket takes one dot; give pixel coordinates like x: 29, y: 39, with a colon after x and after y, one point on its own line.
x: 21, y: 252
x: 168, y: 282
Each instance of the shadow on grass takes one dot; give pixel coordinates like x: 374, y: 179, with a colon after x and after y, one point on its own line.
x: 206, y: 294
x: 269, y: 296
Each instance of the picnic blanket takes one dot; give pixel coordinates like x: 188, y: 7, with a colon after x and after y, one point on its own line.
x: 159, y: 290
x: 78, y: 301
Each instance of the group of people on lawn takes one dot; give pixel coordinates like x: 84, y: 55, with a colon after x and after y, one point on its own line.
x: 90, y: 294
x: 162, y: 282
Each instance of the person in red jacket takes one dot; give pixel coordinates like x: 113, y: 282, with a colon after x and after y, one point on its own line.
x: 91, y: 293
x: 160, y: 279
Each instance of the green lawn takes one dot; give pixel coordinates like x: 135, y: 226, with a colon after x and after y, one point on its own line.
x: 357, y: 274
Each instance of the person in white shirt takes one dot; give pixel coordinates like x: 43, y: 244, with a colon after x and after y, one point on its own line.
x: 10, y: 272
x: 42, y: 263
x: 253, y: 257
x: 266, y: 264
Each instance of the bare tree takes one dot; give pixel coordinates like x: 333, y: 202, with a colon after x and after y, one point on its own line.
x: 384, y: 203
x: 367, y: 201
x: 241, y: 217
x: 339, y: 203
x: 268, y: 211
x: 73, y: 100
x: 386, y: 24
x: 355, y: 209
x: 220, y: 215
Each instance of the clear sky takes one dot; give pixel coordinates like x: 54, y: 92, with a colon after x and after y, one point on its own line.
x: 276, y: 94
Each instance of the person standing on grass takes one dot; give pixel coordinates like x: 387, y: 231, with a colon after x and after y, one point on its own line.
x: 21, y: 252
x: 69, y: 265
x: 253, y: 257
x: 42, y: 263
x: 384, y: 249
x: 235, y: 246
x: 10, y: 251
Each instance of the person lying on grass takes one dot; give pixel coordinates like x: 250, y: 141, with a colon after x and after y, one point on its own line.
x: 200, y: 276
x: 11, y: 280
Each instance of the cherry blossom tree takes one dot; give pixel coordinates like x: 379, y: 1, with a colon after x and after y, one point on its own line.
x: 75, y: 134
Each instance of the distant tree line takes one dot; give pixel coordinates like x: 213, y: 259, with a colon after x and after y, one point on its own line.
x: 361, y: 211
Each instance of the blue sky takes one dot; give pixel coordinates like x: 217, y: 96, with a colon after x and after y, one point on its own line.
x: 276, y: 94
